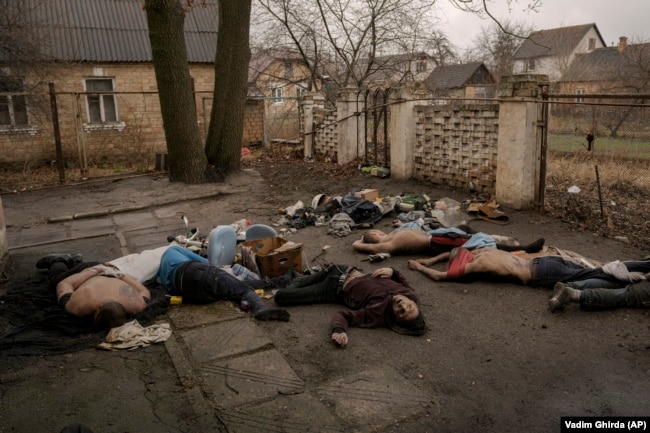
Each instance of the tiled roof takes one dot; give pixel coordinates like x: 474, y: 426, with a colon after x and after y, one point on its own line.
x: 608, y: 64
x: 113, y: 30
x: 553, y: 42
x: 453, y: 76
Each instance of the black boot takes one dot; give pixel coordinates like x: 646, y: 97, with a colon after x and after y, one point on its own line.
x: 50, y: 259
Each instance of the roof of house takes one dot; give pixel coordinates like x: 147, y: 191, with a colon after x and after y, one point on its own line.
x: 387, y: 67
x: 554, y: 42
x: 608, y: 64
x: 113, y: 30
x: 261, y: 60
x: 453, y: 76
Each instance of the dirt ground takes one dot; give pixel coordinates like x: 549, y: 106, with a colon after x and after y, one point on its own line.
x: 494, y: 358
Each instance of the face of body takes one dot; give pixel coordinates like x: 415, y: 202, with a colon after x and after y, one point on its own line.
x: 404, y: 308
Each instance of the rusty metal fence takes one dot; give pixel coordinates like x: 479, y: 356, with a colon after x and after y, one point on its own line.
x: 598, y: 161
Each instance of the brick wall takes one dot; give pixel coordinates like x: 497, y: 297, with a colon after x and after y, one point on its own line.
x: 254, y: 128
x: 138, y: 134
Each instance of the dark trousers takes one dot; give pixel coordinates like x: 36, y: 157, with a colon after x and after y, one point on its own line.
x: 202, y: 283
x: 320, y: 287
x: 634, y: 295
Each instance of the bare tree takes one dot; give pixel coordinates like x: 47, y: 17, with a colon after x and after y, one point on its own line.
x: 187, y: 159
x: 342, y: 38
x: 496, y: 45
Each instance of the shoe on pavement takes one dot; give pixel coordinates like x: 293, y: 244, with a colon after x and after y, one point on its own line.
x: 47, y: 261
x: 561, y: 296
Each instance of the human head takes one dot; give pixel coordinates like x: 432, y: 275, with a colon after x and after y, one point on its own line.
x: 408, y: 317
x: 372, y: 236
x: 109, y: 315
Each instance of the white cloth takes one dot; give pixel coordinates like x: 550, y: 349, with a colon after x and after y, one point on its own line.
x: 141, y: 266
x: 618, y: 270
x: 132, y: 335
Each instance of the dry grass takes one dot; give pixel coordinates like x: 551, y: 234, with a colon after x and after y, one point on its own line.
x: 614, y: 197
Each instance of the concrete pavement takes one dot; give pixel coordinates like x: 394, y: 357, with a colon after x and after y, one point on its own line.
x: 233, y: 376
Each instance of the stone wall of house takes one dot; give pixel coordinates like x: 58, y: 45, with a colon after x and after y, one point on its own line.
x: 456, y: 145
x: 137, y: 136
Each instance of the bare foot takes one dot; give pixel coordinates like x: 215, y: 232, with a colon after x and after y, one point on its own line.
x: 414, y: 265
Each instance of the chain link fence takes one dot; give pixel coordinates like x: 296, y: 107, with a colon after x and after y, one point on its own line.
x: 598, y: 164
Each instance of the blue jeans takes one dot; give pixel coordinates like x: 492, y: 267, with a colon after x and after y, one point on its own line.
x: 548, y: 270
x: 635, y: 295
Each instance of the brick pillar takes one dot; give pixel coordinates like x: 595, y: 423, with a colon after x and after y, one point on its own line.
x: 401, y: 129
x: 519, y: 142
x: 350, y: 125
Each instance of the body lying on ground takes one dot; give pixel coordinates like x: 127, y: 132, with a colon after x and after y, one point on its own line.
x: 412, y: 239
x: 541, y: 271
x: 381, y: 298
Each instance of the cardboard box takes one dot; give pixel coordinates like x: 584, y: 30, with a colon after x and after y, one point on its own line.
x: 273, y: 256
x: 368, y: 194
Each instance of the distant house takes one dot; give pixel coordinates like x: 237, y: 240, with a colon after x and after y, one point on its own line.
x: 280, y: 78
x: 400, y: 68
x: 467, y: 80
x: 620, y: 69
x: 97, y: 56
x: 550, y: 52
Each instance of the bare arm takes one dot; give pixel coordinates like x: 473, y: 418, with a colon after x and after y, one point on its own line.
x: 436, y: 259
x: 72, y: 283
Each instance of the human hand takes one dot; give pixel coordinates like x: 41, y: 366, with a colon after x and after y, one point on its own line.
x: 383, y: 273
x: 340, y: 338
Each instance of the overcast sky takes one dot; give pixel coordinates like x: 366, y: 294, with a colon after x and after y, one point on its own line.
x: 614, y: 18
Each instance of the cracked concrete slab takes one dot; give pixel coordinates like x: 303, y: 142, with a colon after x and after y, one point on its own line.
x: 225, y: 339
x: 250, y: 379
x: 290, y: 414
x: 374, y: 399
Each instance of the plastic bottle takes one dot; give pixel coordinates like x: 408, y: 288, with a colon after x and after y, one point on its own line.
x: 243, y: 273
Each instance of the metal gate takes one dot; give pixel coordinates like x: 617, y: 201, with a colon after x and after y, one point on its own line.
x: 377, y: 116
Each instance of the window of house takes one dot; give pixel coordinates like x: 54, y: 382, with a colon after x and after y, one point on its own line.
x: 13, y: 104
x: 101, y: 107
x: 421, y: 67
x: 580, y: 92
x: 276, y: 95
x: 530, y: 65
x: 300, y: 91
x: 592, y: 43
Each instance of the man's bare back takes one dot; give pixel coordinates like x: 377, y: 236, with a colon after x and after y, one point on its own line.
x: 90, y: 291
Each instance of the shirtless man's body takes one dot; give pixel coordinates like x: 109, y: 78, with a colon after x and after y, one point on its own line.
x: 89, y: 291
x: 482, y: 261
x: 413, y: 241
x: 543, y: 271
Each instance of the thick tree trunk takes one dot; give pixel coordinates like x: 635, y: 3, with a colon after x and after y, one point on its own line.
x: 224, y: 141
x: 187, y: 159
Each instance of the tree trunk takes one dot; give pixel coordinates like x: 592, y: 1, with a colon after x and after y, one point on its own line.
x: 187, y: 159
x: 224, y: 140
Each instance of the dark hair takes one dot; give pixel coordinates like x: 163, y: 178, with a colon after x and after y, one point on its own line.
x: 415, y: 327
x: 110, y: 315
x: 367, y: 238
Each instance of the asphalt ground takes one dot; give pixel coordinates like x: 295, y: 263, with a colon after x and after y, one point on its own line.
x: 222, y: 371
